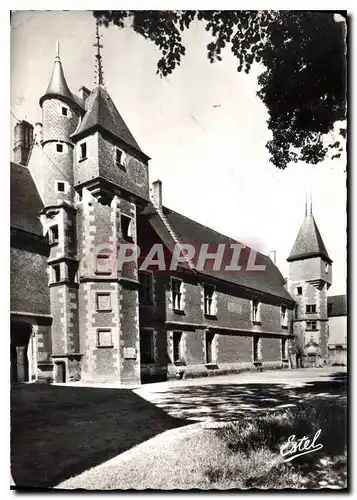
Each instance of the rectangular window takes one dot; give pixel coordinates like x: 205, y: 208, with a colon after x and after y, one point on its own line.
x: 59, y: 148
x: 284, y: 317
x: 255, y: 311
x: 56, y: 273
x: 256, y: 346
x: 103, y: 264
x: 177, y: 346
x: 209, y: 348
x: 104, y: 337
x: 126, y: 227
x: 310, y: 308
x: 61, y: 187
x: 103, y: 302
x: 147, y: 346
x: 329, y: 309
x: 283, y: 350
x: 299, y: 290
x: 119, y: 159
x: 146, y: 289
x: 83, y: 147
x: 208, y: 291
x: 176, y: 287
x: 53, y: 235
x: 64, y: 111
x: 311, y: 325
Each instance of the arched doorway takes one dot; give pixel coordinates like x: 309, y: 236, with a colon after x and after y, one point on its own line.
x: 20, y: 334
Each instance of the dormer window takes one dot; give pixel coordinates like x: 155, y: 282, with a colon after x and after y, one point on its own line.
x: 64, y: 111
x: 59, y: 147
x: 83, y: 150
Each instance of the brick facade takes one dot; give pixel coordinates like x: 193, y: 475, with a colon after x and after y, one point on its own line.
x: 87, y: 322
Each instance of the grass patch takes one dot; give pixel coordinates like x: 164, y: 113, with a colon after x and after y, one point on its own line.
x: 256, y: 443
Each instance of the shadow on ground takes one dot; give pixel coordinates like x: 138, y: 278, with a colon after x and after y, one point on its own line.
x: 226, y: 402
x: 58, y: 432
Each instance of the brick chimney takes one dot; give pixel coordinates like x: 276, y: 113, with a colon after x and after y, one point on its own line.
x: 156, y: 194
x: 23, y: 138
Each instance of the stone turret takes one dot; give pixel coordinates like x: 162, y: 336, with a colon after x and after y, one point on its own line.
x: 310, y: 276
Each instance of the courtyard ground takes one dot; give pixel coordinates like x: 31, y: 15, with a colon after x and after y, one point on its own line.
x: 133, y: 438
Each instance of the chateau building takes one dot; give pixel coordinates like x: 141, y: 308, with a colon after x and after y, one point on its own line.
x: 80, y: 194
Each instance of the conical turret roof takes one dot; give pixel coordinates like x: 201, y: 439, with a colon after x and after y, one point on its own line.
x: 58, y: 86
x: 309, y: 242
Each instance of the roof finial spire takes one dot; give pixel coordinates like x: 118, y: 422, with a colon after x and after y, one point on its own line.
x: 305, y: 204
x: 98, y: 56
x: 57, y: 57
x: 310, y: 202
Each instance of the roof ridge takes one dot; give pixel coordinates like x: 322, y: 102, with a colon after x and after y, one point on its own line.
x: 221, y: 234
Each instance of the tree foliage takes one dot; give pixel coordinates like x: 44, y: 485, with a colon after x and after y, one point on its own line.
x: 303, y: 61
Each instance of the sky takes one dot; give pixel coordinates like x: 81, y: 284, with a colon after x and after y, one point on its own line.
x: 203, y: 126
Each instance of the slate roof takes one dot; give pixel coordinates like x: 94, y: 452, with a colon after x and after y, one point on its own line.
x: 337, y: 305
x: 186, y: 230
x: 309, y: 242
x: 58, y: 86
x: 101, y: 112
x: 25, y: 201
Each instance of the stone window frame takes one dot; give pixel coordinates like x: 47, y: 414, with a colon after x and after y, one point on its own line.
x: 257, y: 349
x: 104, y: 329
x: 212, y: 337
x: 211, y: 310
x: 310, y: 328
x: 177, y: 294
x: 181, y: 346
x: 255, y: 312
x: 297, y: 290
x: 103, y: 293
x: 310, y: 309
